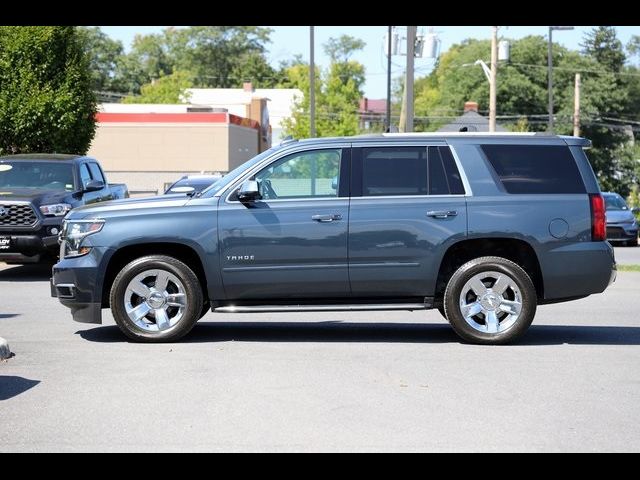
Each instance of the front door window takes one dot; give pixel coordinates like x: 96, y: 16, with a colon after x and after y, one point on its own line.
x: 310, y: 174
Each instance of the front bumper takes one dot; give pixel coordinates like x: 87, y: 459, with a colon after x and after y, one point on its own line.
x: 23, y: 245
x: 77, y: 284
x: 621, y: 232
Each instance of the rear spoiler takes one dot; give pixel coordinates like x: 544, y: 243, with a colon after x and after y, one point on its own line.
x: 577, y: 141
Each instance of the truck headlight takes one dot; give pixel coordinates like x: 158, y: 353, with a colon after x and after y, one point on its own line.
x: 55, y: 210
x: 74, y: 234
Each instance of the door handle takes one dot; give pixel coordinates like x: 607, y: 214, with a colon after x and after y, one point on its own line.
x: 442, y: 213
x: 326, y: 218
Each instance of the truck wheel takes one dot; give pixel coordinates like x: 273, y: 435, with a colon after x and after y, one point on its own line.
x: 156, y: 299
x: 632, y: 243
x: 490, y: 300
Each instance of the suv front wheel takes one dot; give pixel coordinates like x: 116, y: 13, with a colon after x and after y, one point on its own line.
x: 156, y: 299
x: 490, y: 300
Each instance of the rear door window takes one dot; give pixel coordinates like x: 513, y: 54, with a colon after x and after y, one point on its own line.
x: 388, y: 171
x: 535, y: 169
x: 400, y: 171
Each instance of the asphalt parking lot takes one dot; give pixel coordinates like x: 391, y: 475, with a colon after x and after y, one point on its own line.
x: 627, y: 255
x: 320, y: 382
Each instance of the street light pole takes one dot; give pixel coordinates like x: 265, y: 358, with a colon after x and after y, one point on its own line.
x: 492, y: 79
x: 408, y: 85
x: 550, y: 79
x: 550, y: 73
x: 312, y: 85
x: 388, y: 121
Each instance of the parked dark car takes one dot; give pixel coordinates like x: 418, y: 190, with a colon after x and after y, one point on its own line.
x: 36, y: 192
x: 192, y: 184
x: 483, y: 227
x: 621, y: 221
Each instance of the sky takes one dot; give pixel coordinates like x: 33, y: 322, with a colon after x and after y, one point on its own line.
x: 287, y: 41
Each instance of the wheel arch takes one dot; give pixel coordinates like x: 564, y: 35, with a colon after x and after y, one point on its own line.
x: 516, y: 250
x: 126, y: 254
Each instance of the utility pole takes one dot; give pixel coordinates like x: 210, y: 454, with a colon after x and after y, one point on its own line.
x: 550, y: 79
x: 406, y: 116
x: 550, y: 73
x: 492, y: 79
x: 402, y: 123
x: 576, y: 108
x: 388, y: 121
x: 312, y: 85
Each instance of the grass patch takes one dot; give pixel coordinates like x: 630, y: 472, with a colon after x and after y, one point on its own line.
x: 629, y: 268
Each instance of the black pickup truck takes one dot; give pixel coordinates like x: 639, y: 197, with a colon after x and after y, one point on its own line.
x: 36, y: 193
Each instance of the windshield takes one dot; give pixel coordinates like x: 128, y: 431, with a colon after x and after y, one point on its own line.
x: 237, y: 172
x: 38, y: 175
x: 615, y: 202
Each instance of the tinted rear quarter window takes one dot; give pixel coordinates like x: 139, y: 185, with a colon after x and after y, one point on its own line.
x: 537, y: 169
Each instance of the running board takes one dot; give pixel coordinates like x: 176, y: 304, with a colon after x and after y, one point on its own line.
x: 320, y: 308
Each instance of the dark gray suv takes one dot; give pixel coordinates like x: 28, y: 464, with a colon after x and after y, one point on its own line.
x: 482, y: 227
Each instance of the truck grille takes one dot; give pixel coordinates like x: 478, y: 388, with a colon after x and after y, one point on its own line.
x: 17, y: 216
x: 615, y: 232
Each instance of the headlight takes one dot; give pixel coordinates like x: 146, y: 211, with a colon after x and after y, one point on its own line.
x: 73, y: 235
x: 55, y: 210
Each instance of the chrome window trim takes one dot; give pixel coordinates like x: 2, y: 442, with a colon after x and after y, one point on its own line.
x: 356, y: 144
x: 398, y: 197
x: 274, y: 158
x: 305, y: 199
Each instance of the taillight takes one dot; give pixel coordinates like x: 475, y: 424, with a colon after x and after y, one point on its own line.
x: 598, y: 219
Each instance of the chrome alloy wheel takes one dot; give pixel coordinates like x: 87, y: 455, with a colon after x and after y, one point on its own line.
x: 491, y: 302
x: 155, y: 300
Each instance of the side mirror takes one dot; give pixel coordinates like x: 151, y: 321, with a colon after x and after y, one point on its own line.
x: 635, y: 210
x: 249, y: 191
x: 334, y: 183
x: 94, y: 186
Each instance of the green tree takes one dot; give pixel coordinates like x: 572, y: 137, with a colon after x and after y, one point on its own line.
x: 608, y: 96
x: 104, y: 54
x: 340, y: 49
x: 603, y: 45
x: 606, y: 101
x: 46, y: 98
x: 633, y: 47
x: 167, y: 89
x: 338, y: 91
x: 216, y: 57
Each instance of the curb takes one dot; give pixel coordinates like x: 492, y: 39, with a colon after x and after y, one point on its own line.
x: 5, y: 353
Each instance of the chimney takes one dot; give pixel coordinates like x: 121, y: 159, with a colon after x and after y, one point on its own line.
x: 364, y: 104
x: 247, y: 87
x: 470, y: 107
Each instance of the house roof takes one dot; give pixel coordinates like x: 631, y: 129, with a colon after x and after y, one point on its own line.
x: 370, y: 105
x: 473, y: 121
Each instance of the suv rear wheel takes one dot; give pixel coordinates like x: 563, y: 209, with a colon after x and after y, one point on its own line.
x: 156, y: 299
x: 490, y: 300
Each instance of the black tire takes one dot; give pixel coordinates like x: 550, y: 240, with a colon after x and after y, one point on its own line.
x: 488, y: 264
x: 632, y: 243
x: 442, y: 312
x: 193, y: 293
x: 206, y: 308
